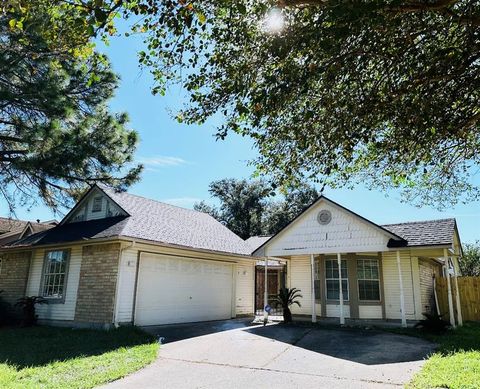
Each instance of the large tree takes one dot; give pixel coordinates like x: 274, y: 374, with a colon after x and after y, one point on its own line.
x: 251, y: 208
x: 57, y: 134
x: 385, y: 92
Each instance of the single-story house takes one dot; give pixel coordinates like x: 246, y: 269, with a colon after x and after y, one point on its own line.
x: 117, y: 258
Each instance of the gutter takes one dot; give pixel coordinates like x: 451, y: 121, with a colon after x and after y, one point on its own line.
x: 127, y: 239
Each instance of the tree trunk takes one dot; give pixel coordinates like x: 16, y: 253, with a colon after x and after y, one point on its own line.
x: 287, y: 315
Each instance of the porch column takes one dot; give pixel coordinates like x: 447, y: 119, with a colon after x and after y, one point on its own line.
x: 265, y: 288
x: 340, y: 289
x: 312, y: 267
x: 457, y: 296
x: 449, y: 286
x: 402, y: 296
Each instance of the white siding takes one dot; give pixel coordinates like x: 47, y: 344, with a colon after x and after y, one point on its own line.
x: 245, y: 288
x: 84, y: 211
x: 301, y: 278
x: 392, y: 285
x: 370, y: 311
x: 333, y: 310
x: 126, y: 286
x: 345, y: 233
x: 56, y: 311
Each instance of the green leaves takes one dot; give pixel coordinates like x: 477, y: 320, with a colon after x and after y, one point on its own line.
x: 57, y: 135
x: 346, y: 93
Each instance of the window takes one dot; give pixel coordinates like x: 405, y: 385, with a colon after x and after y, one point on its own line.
x: 55, y: 274
x: 317, y: 280
x: 97, y: 204
x: 331, y: 279
x: 368, y: 280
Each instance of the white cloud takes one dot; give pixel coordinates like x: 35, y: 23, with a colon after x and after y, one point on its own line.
x: 185, y: 202
x: 162, y: 161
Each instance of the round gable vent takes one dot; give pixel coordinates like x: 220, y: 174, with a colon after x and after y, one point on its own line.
x: 324, y: 217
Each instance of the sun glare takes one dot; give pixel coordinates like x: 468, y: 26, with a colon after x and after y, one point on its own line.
x: 274, y: 21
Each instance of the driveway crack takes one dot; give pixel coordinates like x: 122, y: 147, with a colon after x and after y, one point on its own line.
x: 283, y: 371
x: 288, y: 347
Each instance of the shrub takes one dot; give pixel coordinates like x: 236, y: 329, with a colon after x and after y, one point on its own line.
x: 27, y: 304
x: 433, y: 322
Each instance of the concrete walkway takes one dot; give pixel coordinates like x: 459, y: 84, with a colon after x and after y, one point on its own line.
x: 231, y: 354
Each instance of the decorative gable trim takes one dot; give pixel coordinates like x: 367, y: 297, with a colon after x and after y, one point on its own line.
x: 85, y: 197
x: 392, y: 237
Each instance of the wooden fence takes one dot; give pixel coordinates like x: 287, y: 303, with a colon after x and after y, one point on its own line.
x: 469, y: 288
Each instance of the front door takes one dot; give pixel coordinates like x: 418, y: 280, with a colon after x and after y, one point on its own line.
x: 275, y: 281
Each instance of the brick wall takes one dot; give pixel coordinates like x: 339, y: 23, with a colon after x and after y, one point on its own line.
x: 98, y: 281
x: 14, y: 275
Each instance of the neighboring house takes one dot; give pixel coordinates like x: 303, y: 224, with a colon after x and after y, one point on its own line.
x: 118, y: 258
x: 370, y: 256
x: 12, y: 230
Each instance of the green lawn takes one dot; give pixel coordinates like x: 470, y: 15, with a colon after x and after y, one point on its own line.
x: 47, y: 357
x: 456, y: 364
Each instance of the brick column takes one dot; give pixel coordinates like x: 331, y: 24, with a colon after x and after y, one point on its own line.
x: 98, y: 282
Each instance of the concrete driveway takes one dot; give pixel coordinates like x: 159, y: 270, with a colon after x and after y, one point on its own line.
x: 233, y: 354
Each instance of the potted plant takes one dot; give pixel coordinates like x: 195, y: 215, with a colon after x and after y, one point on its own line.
x: 285, y: 299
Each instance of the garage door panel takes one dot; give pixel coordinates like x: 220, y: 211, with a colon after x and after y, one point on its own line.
x: 177, y: 289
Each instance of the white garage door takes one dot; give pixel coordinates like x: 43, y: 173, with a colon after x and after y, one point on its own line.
x: 180, y: 290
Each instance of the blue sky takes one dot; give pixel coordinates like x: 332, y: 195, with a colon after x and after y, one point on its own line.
x: 180, y: 161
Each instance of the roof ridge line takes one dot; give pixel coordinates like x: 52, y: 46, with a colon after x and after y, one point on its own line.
x: 156, y: 201
x: 419, y: 221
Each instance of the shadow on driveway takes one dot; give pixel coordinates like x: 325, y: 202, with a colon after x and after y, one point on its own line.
x: 175, y: 332
x: 368, y: 347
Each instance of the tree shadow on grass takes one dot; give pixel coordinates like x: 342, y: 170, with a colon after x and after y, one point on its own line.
x: 38, y: 346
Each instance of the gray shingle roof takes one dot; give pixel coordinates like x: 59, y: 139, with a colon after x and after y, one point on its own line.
x: 254, y: 242
x: 8, y: 224
x: 148, y: 220
x: 160, y: 222
x: 425, y: 233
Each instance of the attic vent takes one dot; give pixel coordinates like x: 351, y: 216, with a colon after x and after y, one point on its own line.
x: 97, y: 204
x: 324, y: 217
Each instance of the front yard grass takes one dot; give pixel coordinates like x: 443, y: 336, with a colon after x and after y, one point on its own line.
x: 456, y: 364
x: 48, y: 357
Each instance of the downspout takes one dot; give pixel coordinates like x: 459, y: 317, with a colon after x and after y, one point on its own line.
x: 119, y: 272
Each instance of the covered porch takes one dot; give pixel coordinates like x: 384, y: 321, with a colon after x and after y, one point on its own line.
x: 374, y: 289
x: 350, y: 268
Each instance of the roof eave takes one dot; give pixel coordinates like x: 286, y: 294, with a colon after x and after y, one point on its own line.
x: 129, y: 239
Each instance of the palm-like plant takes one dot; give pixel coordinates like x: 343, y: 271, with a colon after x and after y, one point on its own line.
x: 285, y: 298
x: 27, y: 304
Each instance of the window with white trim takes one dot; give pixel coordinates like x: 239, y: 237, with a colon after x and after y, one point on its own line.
x: 332, y: 281
x: 97, y: 204
x: 368, y: 278
x: 55, y: 274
